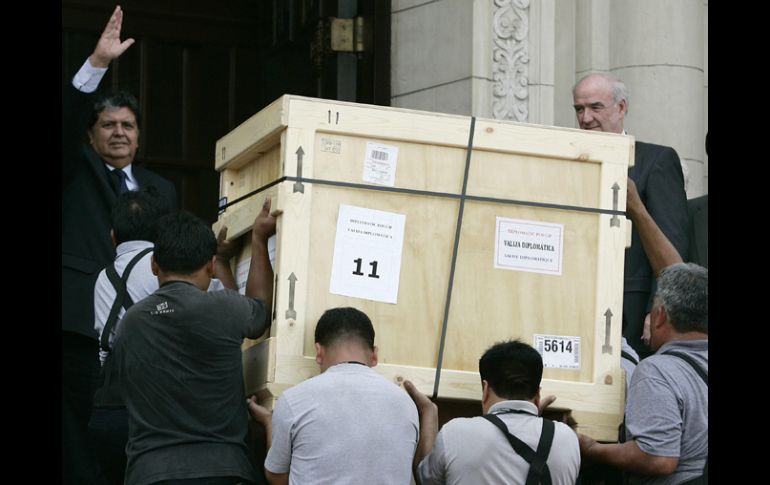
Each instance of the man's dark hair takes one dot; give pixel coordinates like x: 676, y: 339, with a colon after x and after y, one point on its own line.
x: 184, y: 243
x: 346, y: 323
x: 513, y: 370
x: 683, y: 290
x: 118, y: 99
x: 135, y: 215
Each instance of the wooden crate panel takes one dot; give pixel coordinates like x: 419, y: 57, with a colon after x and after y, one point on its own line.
x: 422, y: 293
x: 490, y: 302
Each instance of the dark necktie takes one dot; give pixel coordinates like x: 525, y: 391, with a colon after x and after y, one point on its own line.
x: 121, y: 176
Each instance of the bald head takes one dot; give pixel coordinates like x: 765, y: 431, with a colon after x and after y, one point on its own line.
x: 601, y: 102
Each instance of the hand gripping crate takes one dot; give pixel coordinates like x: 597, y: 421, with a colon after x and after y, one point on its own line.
x: 452, y: 233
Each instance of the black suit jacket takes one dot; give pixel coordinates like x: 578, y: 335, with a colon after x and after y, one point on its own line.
x: 699, y: 230
x: 87, y: 201
x: 658, y: 176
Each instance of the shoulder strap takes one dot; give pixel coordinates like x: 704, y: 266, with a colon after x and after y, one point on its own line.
x: 538, y: 468
x: 122, y: 298
x: 703, y: 374
x: 628, y: 357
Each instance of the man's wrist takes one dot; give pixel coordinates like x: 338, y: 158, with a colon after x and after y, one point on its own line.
x: 97, y: 61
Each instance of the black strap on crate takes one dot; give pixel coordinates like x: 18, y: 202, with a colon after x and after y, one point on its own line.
x: 427, y: 193
x: 458, y: 227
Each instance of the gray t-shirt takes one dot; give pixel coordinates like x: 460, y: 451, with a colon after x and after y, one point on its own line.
x: 178, y: 358
x: 667, y: 410
x: 471, y: 451
x: 348, y: 425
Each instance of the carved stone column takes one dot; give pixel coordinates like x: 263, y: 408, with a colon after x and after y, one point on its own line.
x: 511, y: 60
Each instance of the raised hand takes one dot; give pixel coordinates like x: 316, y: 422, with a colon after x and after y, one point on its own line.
x: 109, y: 46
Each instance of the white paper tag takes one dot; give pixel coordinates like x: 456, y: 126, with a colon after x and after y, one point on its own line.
x: 380, y: 164
x: 241, y: 274
x: 537, y: 247
x: 558, y: 351
x: 367, y: 254
x: 242, y: 270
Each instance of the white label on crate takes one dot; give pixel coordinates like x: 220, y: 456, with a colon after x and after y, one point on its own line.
x: 242, y: 270
x: 380, y: 164
x: 531, y: 246
x: 367, y: 254
x: 558, y: 351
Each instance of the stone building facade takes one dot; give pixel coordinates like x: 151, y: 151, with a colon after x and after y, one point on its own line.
x: 518, y: 60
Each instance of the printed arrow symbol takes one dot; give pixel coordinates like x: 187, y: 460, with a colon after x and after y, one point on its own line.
x: 291, y: 313
x: 607, y: 348
x: 615, y: 221
x: 298, y: 185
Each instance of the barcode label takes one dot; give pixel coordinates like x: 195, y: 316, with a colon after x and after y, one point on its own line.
x: 380, y: 162
x: 577, y: 353
x: 558, y: 351
x: 381, y: 156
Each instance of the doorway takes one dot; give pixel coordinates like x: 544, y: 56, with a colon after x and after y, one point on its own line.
x: 200, y: 68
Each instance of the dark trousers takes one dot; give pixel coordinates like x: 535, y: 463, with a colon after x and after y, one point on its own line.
x: 107, y: 437
x: 634, y: 311
x: 80, y: 369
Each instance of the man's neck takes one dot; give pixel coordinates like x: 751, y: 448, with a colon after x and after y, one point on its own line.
x: 679, y: 337
x: 496, y: 399
x: 199, y: 279
x: 346, y: 355
x: 119, y: 163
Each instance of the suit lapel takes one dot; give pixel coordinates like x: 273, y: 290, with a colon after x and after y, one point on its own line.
x: 141, y: 176
x: 700, y: 219
x: 96, y: 166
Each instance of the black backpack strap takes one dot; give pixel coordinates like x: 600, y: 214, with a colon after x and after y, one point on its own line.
x: 122, y: 298
x: 703, y: 374
x: 108, y: 395
x: 538, y: 468
x: 629, y: 357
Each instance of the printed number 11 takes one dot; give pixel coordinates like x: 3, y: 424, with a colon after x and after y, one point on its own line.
x: 358, y: 272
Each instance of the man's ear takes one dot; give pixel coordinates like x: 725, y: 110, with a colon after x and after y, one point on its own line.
x: 623, y: 106
x: 114, y: 239
x: 660, y: 317
x: 319, y: 353
x: 373, y: 359
x: 154, y: 265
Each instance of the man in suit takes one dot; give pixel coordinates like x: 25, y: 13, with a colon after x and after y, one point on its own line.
x: 92, y: 178
x: 601, y: 103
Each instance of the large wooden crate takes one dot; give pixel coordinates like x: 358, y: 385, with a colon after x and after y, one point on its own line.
x: 309, y: 156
